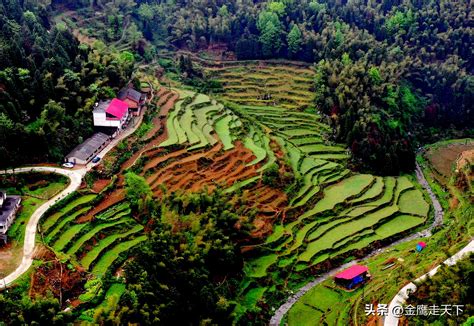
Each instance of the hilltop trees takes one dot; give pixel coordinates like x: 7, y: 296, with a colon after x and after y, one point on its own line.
x: 48, y: 84
x: 188, y: 270
x: 371, y: 110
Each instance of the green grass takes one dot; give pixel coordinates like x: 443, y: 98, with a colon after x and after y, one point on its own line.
x: 373, y: 192
x: 28, y: 206
x: 186, y: 122
x: 113, y: 211
x: 412, y: 202
x: 340, y: 192
x: 64, y: 221
x: 111, y: 255
x: 66, y: 237
x: 277, y: 233
x: 48, y: 192
x: 51, y: 220
x: 344, y: 230
x: 83, y: 239
x: 259, y: 152
x: 398, y: 224
x: 258, y: 267
x: 170, y: 127
x: 223, y: 130
x: 92, y: 255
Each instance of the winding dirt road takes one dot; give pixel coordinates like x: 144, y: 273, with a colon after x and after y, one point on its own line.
x: 75, y: 180
x: 438, y: 220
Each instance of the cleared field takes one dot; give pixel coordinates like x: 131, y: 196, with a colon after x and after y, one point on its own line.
x: 262, y: 84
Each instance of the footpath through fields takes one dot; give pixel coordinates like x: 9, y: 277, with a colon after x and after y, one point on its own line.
x: 438, y: 220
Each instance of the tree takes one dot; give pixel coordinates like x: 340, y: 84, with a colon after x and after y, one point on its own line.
x: 294, y: 40
x: 138, y: 192
x: 270, y: 38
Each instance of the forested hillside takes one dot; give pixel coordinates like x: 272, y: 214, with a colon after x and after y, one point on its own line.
x: 48, y: 85
x: 391, y: 74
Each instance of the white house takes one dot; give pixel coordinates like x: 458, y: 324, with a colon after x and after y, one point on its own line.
x: 8, y: 207
x: 111, y: 113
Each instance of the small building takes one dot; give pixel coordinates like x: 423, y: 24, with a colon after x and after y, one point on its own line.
x: 134, y: 99
x: 111, y: 114
x: 353, y: 277
x: 9, y: 205
x: 420, y: 246
x: 85, y: 152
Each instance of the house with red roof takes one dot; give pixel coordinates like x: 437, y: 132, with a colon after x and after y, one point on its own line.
x: 352, y: 277
x: 134, y: 99
x: 111, y: 114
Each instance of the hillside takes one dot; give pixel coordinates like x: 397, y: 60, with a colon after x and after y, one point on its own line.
x: 272, y: 144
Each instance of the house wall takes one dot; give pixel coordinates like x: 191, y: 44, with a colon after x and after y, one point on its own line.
x: 4, y: 227
x: 100, y: 120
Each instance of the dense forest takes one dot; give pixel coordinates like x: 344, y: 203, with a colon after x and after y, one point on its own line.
x: 392, y: 75
x: 48, y: 85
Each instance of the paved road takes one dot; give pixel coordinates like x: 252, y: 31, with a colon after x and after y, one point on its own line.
x: 438, y: 220
x: 75, y: 177
x: 400, y: 298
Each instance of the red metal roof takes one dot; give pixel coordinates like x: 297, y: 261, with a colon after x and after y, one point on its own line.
x: 352, y: 272
x: 117, y: 108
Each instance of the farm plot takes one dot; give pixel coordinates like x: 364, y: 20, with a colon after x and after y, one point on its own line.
x: 96, y: 244
x: 196, y: 121
x: 301, y: 137
x: 350, y: 215
x: 265, y: 84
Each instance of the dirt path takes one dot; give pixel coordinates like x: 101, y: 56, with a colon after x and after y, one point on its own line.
x: 438, y: 220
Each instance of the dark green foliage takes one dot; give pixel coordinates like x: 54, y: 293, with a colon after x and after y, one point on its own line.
x: 19, y: 310
x: 452, y: 285
x: 188, y: 270
x: 138, y: 191
x: 48, y: 84
x: 377, y: 118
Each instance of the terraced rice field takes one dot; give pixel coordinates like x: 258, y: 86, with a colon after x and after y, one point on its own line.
x: 265, y: 83
x: 94, y: 245
x: 327, y: 214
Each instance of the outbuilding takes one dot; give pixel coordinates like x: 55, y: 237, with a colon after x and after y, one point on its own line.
x: 85, y: 152
x: 420, y: 246
x: 134, y: 99
x: 353, y: 277
x: 9, y: 205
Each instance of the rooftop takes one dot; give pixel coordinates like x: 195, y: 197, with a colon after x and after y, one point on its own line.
x: 114, y: 107
x: 89, y: 146
x: 352, y: 272
x: 8, y: 207
x: 117, y: 108
x: 130, y: 93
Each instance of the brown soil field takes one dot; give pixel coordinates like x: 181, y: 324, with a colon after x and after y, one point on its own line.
x: 270, y: 204
x: 99, y: 185
x: 443, y: 159
x: 56, y: 278
x: 113, y: 198
x: 199, y: 170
